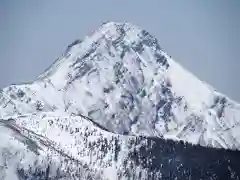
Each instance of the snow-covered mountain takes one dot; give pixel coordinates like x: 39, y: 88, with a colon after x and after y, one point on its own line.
x: 104, y: 108
x: 121, y: 78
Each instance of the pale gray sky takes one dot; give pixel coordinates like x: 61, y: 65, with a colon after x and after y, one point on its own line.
x: 202, y: 35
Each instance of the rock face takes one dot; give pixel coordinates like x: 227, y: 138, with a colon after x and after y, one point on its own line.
x: 109, y: 108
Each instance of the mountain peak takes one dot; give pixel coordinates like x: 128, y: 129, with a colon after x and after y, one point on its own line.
x: 111, y: 25
x: 110, y: 41
x: 129, y: 31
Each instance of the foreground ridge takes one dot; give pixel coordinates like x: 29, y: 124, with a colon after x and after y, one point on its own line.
x: 88, y: 151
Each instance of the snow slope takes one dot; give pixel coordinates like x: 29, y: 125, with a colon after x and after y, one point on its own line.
x: 27, y: 155
x: 121, y: 78
x: 47, y: 146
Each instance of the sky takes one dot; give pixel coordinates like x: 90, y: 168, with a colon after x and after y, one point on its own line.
x: 203, y: 36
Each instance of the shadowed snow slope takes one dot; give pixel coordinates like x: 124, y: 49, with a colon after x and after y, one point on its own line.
x: 133, y: 93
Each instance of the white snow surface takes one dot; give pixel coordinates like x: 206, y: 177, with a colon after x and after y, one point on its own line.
x: 121, y: 78
x: 43, y: 138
